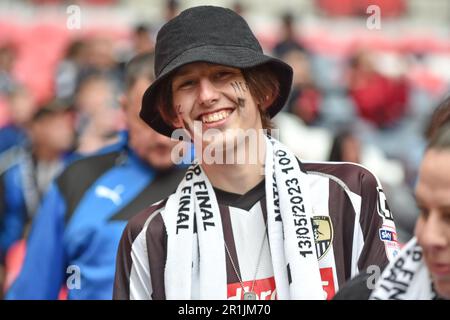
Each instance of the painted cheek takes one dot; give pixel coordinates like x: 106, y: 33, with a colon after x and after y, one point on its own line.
x: 240, y: 89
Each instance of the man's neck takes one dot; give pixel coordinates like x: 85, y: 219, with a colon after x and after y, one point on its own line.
x: 238, y: 178
x: 44, y: 154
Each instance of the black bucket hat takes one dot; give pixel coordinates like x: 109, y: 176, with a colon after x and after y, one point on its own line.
x: 208, y: 34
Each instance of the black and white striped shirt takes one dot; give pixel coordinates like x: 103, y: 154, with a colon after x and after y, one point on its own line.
x: 349, y: 214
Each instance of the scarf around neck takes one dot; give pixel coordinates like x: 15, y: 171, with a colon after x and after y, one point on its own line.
x: 406, y: 277
x: 196, y: 261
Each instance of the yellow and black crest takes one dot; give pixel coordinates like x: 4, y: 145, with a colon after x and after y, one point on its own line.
x: 323, y: 234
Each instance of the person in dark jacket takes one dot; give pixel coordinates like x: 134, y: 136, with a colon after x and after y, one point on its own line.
x: 75, y: 235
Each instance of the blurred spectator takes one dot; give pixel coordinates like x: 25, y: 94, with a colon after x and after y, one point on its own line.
x: 305, y: 98
x: 99, y: 117
x: 52, y: 134
x: 420, y: 270
x: 238, y: 8
x: 100, y: 55
x: 440, y: 116
x: 7, y: 58
x: 21, y: 107
x: 379, y: 99
x: 68, y: 70
x: 172, y: 9
x: 315, y: 142
x: 142, y: 40
x: 347, y: 147
x: 26, y: 171
x: 289, y: 39
x: 82, y: 217
x: 339, y: 8
x: 318, y: 144
x: 101, y: 59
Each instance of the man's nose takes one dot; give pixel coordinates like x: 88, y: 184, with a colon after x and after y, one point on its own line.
x: 208, y: 93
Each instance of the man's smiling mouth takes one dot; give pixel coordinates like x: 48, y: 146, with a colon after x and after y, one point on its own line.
x: 215, y: 116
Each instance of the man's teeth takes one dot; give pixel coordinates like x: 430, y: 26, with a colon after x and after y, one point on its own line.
x: 216, y: 116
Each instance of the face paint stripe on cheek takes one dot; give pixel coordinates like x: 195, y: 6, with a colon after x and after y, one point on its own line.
x: 241, y: 103
x: 240, y: 88
x: 180, y: 118
x: 183, y: 121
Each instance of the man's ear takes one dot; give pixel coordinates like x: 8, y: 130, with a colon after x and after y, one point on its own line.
x: 269, y: 99
x: 177, y: 123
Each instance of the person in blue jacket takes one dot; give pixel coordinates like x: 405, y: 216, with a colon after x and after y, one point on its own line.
x: 27, y: 170
x: 75, y: 235
x: 20, y: 106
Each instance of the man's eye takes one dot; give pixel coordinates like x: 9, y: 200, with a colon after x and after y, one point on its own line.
x: 222, y: 74
x: 446, y: 216
x: 424, y: 212
x: 186, y: 84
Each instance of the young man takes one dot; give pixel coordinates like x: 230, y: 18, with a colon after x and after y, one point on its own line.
x: 264, y: 228
x: 74, y: 238
x: 421, y: 270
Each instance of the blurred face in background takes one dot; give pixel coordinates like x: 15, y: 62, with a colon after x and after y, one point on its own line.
x: 142, y: 41
x: 21, y: 107
x: 148, y: 144
x: 53, y: 131
x: 7, y: 57
x: 301, y: 66
x: 97, y: 103
x: 100, y: 53
x: 433, y: 226
x: 351, y: 149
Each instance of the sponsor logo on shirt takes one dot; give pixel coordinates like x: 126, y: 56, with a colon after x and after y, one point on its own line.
x: 264, y: 289
x: 387, y: 235
x: 328, y: 282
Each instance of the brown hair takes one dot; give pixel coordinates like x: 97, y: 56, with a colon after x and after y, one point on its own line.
x: 261, y: 80
x: 439, y: 118
x: 140, y: 66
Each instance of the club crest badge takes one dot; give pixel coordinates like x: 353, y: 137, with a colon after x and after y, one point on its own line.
x: 323, y: 234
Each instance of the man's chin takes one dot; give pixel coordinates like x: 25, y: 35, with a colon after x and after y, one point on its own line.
x: 442, y: 288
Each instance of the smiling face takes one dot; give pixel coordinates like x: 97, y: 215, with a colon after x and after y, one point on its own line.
x: 433, y: 226
x: 211, y: 96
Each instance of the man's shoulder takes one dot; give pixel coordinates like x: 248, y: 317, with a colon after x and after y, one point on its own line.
x: 87, y: 164
x: 355, y: 177
x: 11, y: 158
x: 357, y: 288
x: 81, y: 173
x: 149, y: 218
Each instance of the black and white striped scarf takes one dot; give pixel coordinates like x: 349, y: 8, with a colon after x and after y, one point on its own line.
x: 406, y: 277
